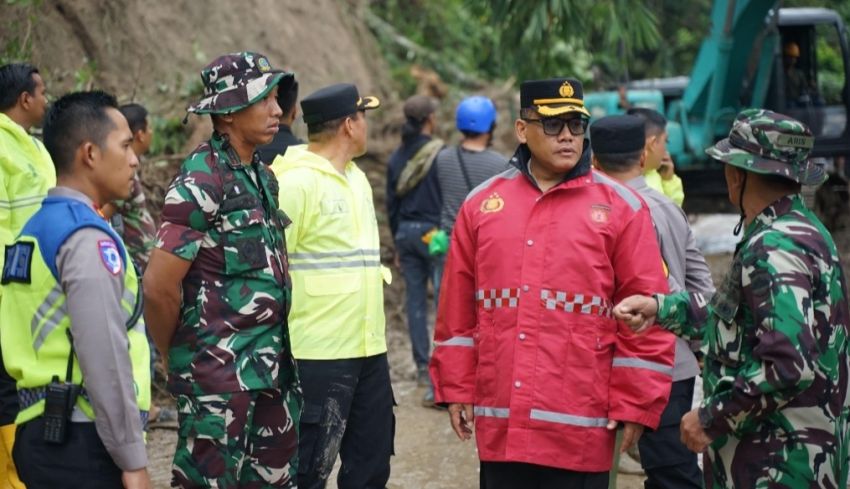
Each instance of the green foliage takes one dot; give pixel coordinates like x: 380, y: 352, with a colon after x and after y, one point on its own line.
x: 602, y: 41
x: 15, y: 52
x: 504, y: 38
x: 682, y: 27
x: 192, y: 89
x: 830, y: 70
x: 84, y: 75
x: 616, y: 27
x: 169, y: 135
x: 18, y: 40
x: 458, y: 34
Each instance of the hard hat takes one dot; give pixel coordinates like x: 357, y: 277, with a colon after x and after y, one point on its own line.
x: 791, y: 49
x: 475, y: 114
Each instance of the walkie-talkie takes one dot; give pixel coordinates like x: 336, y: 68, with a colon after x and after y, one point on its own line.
x: 59, y: 401
x: 56, y: 412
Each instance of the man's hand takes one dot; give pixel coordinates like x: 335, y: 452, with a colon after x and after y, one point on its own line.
x: 637, y: 311
x: 136, y: 479
x: 666, y: 168
x: 462, y: 418
x: 692, y: 433
x: 631, y: 433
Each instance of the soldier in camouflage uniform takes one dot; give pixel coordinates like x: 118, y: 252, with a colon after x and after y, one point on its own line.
x: 137, y: 227
x: 218, y: 292
x: 775, y: 335
x: 130, y: 217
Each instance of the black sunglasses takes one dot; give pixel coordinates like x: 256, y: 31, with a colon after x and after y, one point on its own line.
x: 552, y: 126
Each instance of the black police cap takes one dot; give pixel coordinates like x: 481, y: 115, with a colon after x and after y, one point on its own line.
x: 335, y: 101
x: 617, y: 134
x: 553, y: 97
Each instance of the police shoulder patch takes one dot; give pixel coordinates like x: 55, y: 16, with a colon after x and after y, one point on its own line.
x: 109, y: 256
x: 18, y: 263
x: 493, y: 203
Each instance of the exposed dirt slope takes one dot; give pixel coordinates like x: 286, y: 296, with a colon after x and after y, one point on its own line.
x: 154, y: 49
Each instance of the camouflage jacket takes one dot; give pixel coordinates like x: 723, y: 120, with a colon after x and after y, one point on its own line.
x: 232, y: 333
x: 137, y: 228
x: 776, y: 356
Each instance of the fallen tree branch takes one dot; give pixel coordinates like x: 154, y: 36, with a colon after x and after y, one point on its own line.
x: 384, y: 29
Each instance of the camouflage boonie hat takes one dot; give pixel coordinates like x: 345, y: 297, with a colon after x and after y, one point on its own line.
x: 762, y: 141
x: 235, y: 81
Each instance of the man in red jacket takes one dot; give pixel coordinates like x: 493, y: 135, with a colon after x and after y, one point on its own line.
x: 525, y: 342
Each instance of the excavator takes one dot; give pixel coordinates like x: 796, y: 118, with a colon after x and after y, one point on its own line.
x: 795, y: 61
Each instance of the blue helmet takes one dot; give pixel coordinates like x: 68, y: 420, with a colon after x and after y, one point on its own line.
x: 475, y: 114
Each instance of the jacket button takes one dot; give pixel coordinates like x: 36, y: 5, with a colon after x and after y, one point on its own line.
x: 529, y: 242
x: 525, y: 288
x: 522, y: 336
x: 517, y: 384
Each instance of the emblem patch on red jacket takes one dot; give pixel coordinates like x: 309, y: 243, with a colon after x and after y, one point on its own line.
x: 599, y: 213
x: 493, y: 203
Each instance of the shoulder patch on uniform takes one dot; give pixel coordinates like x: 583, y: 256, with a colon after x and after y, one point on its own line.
x: 493, y: 203
x: 109, y: 255
x: 18, y: 263
x: 599, y: 213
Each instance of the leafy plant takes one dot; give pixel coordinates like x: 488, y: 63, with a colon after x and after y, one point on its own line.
x: 169, y: 135
x: 84, y: 75
x: 604, y: 41
x: 18, y: 45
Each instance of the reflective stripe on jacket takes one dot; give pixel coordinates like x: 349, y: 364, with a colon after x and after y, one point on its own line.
x: 524, y: 329
x: 334, y: 258
x: 34, y: 321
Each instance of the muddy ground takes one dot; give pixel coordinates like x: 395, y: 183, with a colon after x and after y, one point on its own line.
x: 428, y: 454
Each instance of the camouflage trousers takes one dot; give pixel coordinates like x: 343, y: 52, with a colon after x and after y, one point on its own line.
x: 245, y: 440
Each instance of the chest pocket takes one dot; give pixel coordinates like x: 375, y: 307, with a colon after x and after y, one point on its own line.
x: 725, y: 335
x: 242, y: 226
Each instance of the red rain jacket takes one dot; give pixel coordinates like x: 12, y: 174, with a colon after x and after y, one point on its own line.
x: 524, y: 329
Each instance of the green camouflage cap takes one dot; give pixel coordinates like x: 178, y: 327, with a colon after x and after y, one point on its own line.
x: 235, y: 81
x: 762, y: 141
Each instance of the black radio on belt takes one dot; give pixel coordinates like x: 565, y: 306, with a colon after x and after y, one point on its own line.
x: 59, y: 403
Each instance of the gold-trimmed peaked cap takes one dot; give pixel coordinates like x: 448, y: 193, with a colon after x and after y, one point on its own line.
x: 553, y: 97
x: 335, y: 101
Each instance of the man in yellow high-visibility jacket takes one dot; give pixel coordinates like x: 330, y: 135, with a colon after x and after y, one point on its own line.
x: 337, y: 317
x: 659, y: 171
x: 26, y: 172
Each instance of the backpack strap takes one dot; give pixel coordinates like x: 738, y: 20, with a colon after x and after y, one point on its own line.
x: 463, y: 169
